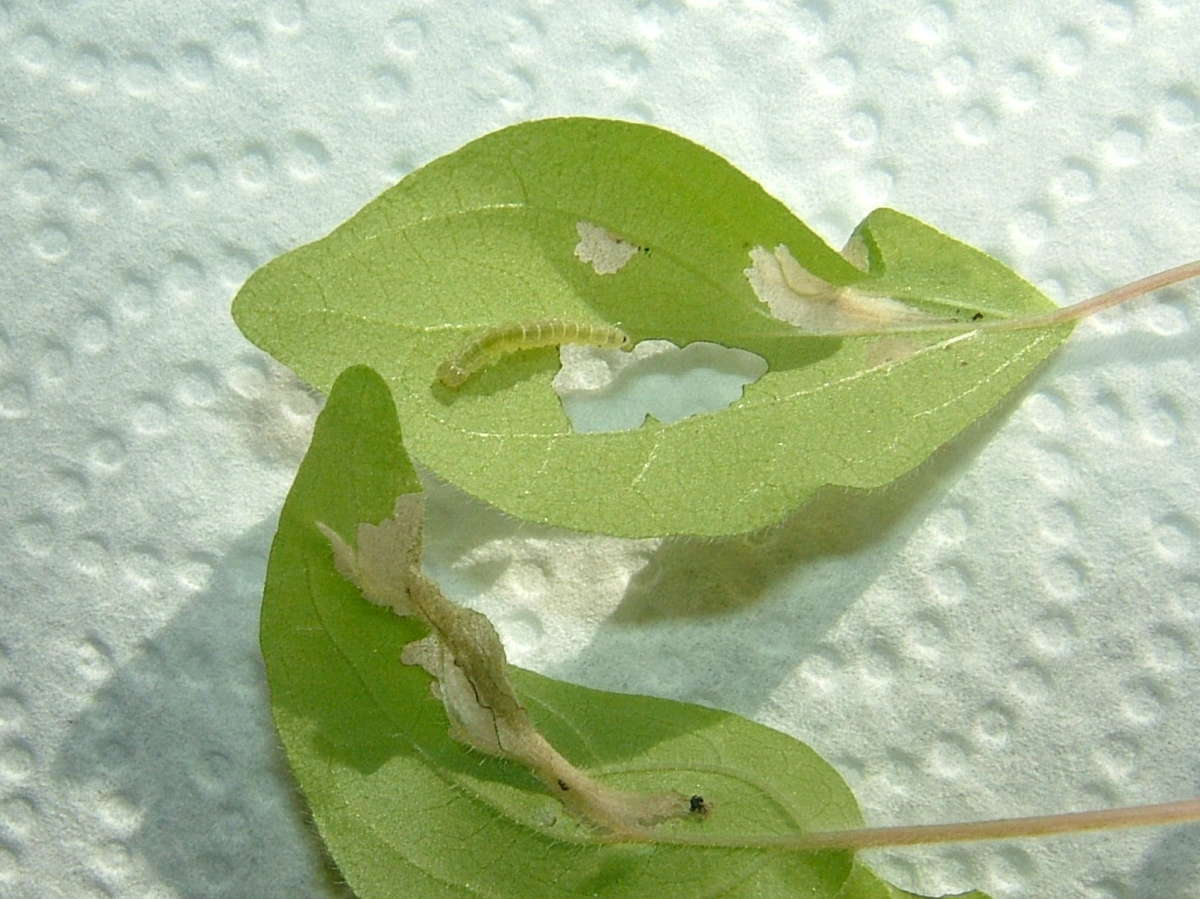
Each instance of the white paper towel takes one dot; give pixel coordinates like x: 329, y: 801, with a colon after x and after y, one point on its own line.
x: 1010, y: 630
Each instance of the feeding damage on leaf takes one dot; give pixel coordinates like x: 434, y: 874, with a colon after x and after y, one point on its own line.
x: 797, y: 296
x: 464, y: 655
x: 606, y: 252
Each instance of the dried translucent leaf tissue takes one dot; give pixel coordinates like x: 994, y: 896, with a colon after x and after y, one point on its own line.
x: 464, y: 655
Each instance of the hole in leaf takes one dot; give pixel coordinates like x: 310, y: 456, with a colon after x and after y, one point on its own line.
x: 610, y: 390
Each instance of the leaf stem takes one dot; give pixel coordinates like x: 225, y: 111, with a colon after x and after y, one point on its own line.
x: 963, y: 831
x: 1109, y: 298
x: 1060, y: 316
x: 1007, y: 828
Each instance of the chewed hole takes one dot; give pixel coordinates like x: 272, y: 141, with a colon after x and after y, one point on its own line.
x: 611, y: 390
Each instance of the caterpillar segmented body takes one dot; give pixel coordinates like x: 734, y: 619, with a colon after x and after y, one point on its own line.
x: 509, y: 338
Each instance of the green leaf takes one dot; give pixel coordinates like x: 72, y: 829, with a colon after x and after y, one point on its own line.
x: 407, y: 812
x: 487, y: 235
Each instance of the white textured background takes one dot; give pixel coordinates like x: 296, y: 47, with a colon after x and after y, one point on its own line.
x: 1011, y: 630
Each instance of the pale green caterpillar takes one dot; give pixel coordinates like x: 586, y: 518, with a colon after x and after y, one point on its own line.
x: 508, y: 338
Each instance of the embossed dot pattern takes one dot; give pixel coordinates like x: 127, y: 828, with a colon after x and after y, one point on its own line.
x: 1014, y: 632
